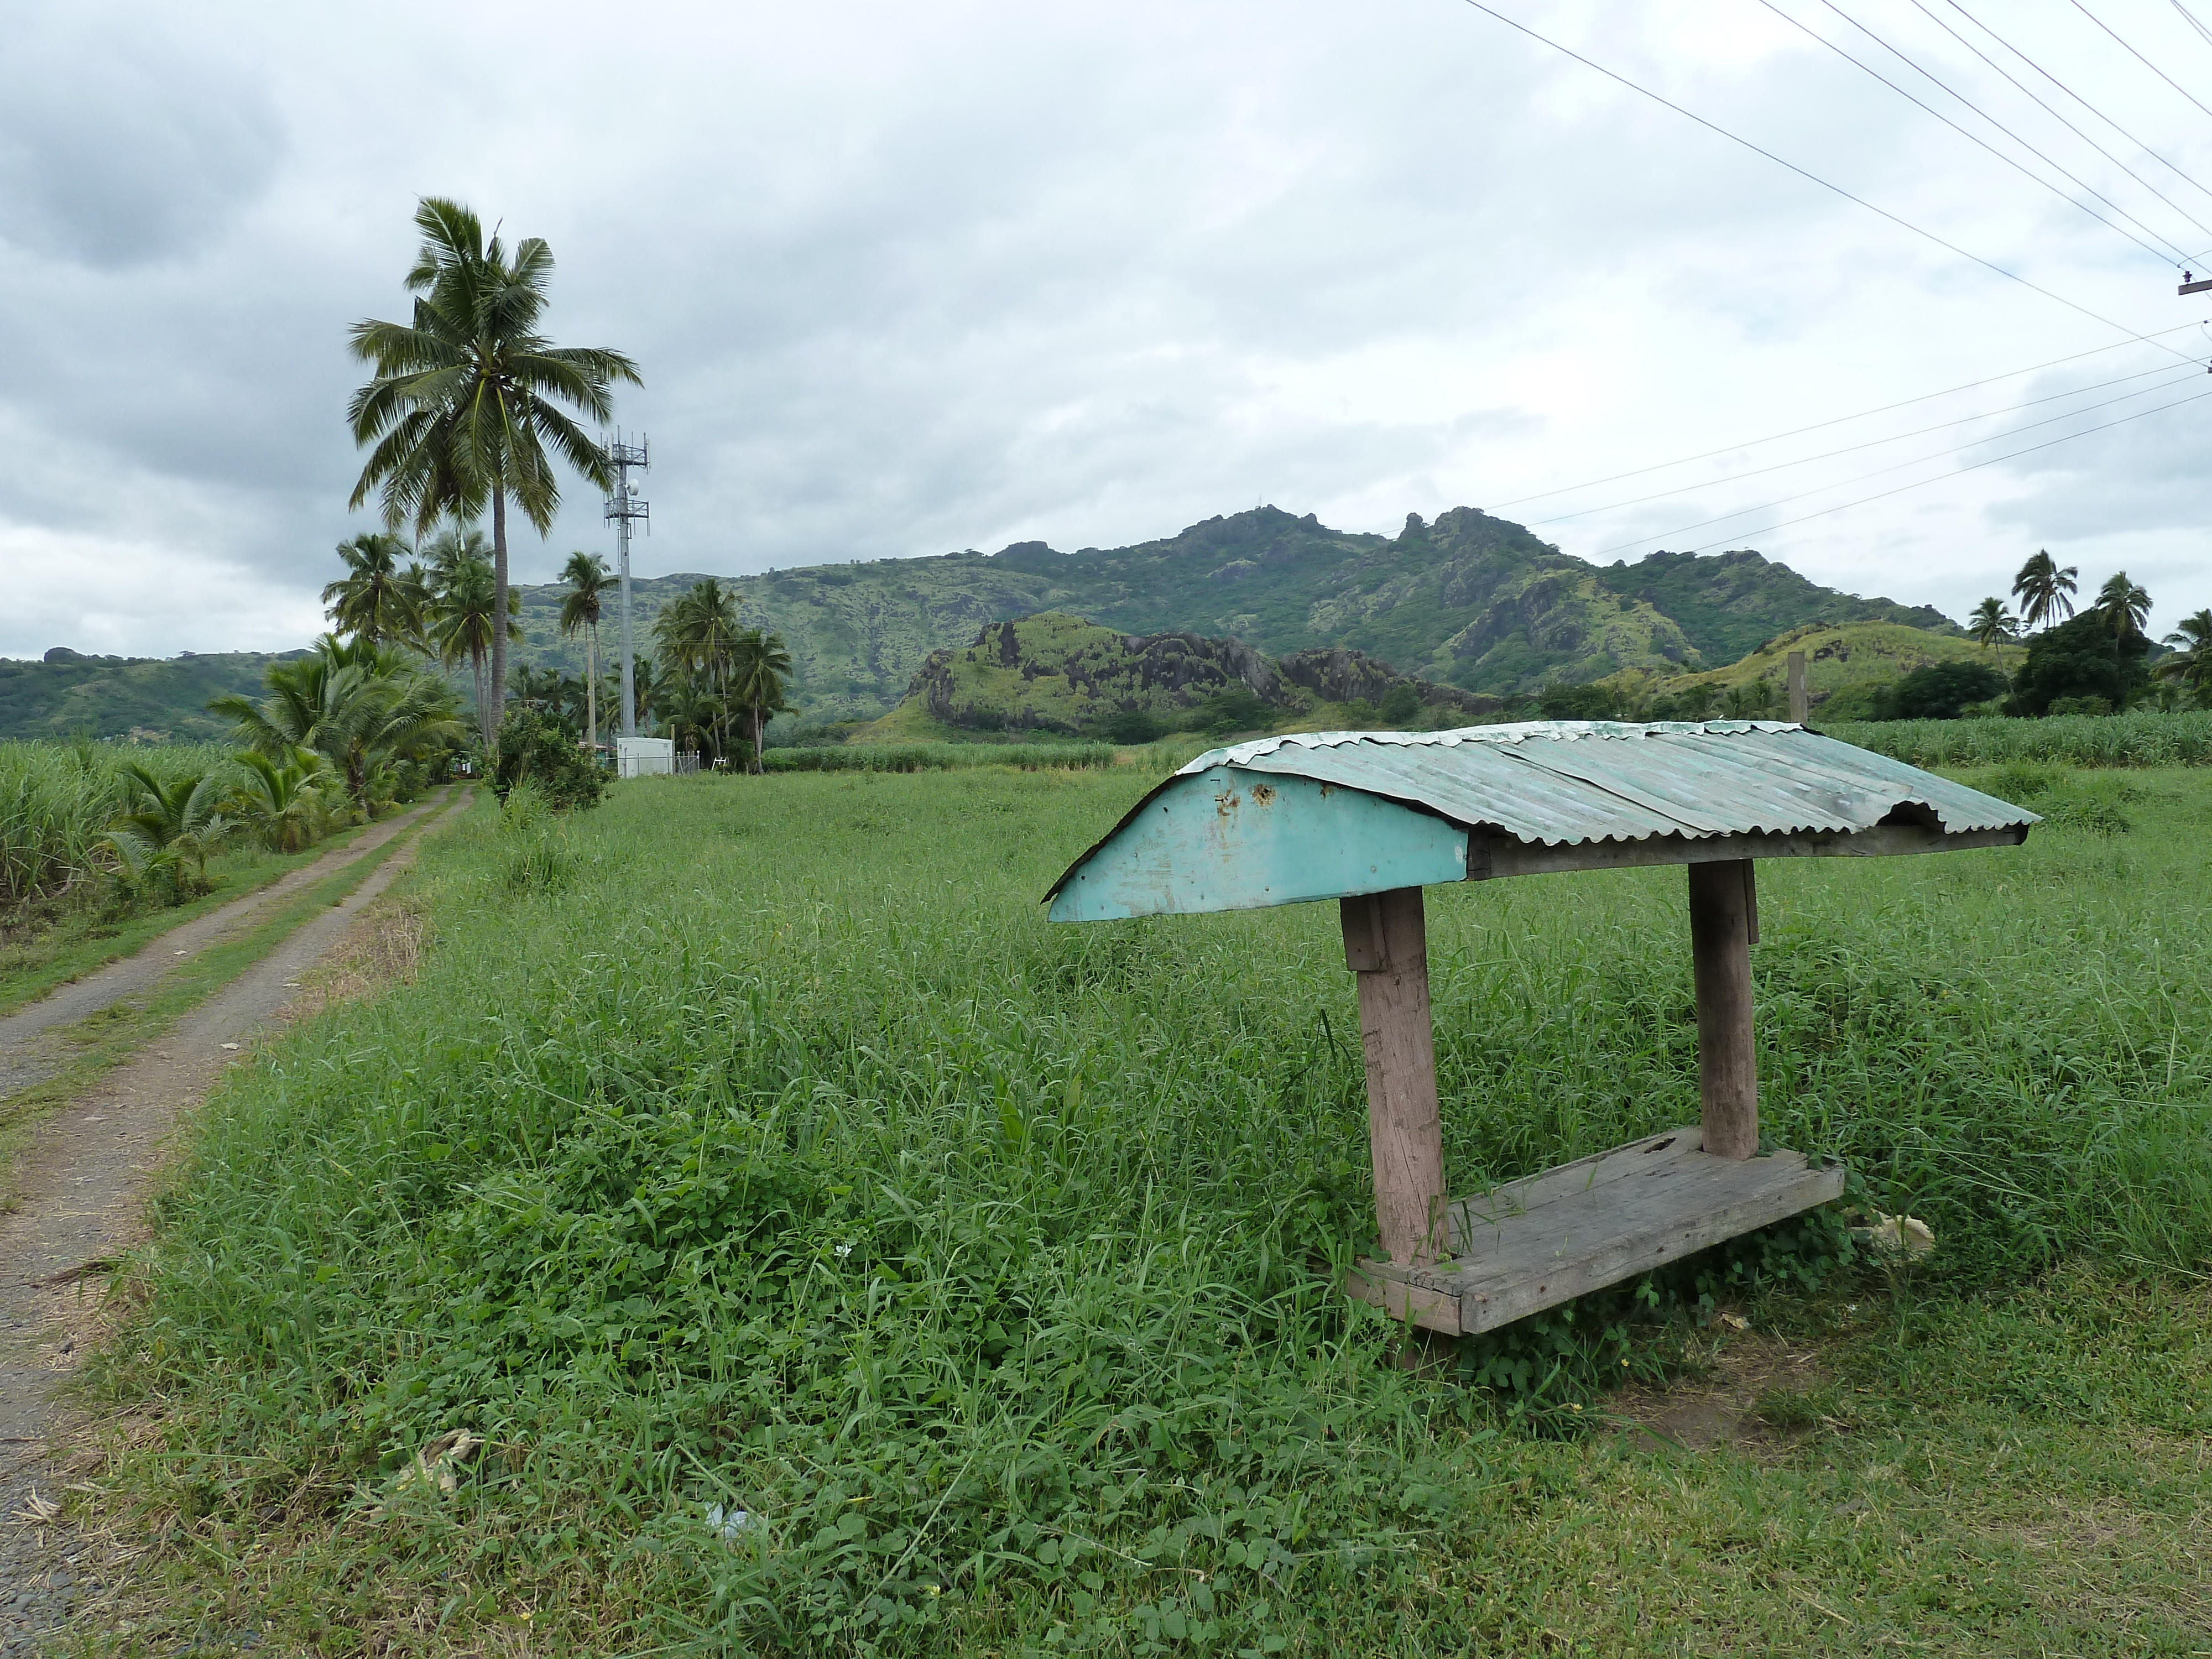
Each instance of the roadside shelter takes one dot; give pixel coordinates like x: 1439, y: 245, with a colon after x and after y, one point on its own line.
x: 1369, y: 818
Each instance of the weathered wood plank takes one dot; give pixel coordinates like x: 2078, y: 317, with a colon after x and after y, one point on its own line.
x: 1492, y: 856
x: 1469, y: 1217
x: 1386, y: 945
x: 1570, y: 1245
x: 1727, y: 1058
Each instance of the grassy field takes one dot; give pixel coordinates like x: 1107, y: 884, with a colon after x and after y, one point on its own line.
x: 2144, y: 738
x: 753, y: 1145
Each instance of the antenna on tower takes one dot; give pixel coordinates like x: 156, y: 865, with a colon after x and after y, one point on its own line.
x: 624, y: 509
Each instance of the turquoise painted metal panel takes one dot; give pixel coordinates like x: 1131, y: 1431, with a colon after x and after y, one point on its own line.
x: 1545, y: 783
x: 1226, y: 840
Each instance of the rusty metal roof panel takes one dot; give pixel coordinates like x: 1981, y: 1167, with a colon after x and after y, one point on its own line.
x: 1560, y: 782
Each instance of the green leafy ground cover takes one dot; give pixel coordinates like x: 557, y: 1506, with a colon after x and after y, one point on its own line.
x: 765, y: 1151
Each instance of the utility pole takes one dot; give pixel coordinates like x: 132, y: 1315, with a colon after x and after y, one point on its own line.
x: 625, y: 508
x: 1797, y: 702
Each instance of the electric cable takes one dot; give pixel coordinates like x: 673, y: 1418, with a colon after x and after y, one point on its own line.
x: 2194, y: 21
x: 1921, y: 8
x: 1971, y: 467
x: 1821, y: 426
x: 2167, y: 369
x: 2171, y: 167
x: 2011, y: 161
x: 2139, y: 57
x: 1814, y: 178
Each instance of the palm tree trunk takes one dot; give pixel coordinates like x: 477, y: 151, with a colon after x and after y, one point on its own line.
x: 498, y: 608
x: 759, y: 737
x: 476, y: 667
x: 591, y: 690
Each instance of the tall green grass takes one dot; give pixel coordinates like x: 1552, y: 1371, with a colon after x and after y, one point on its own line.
x: 57, y: 799
x: 2144, y: 738
x: 785, y: 1161
x: 939, y: 756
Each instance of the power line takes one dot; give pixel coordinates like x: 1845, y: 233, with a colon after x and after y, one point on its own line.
x: 1814, y: 178
x: 2011, y: 161
x: 2139, y: 57
x: 2191, y: 17
x: 1971, y: 467
x: 1820, y: 426
x: 1846, y: 507
x: 2170, y: 167
x: 2063, y: 121
x: 1898, y: 438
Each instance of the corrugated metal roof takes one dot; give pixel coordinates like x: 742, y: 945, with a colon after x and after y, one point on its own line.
x: 1559, y: 782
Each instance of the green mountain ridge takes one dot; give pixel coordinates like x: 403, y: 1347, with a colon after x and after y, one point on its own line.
x: 144, y: 698
x: 1470, y: 601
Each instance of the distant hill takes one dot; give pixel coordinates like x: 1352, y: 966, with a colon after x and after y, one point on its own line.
x: 1844, y: 664
x: 149, y: 699
x: 1053, y: 673
x: 1731, y: 604
x: 1470, y: 601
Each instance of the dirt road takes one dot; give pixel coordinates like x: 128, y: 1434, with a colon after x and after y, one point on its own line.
x: 83, y: 1185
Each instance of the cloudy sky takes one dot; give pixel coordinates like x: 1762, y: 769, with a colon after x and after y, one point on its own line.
x: 905, y: 279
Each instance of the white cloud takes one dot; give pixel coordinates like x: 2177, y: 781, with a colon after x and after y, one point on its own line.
x: 903, y: 280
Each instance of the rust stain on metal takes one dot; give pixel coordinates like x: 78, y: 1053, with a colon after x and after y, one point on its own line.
x: 1262, y: 795
x: 1225, y: 802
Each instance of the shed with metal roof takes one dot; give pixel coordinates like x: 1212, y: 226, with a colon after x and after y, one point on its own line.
x: 1369, y: 818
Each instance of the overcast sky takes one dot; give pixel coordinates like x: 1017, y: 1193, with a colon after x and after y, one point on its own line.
x: 907, y: 279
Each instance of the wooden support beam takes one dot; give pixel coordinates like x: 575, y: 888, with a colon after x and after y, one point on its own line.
x: 1727, y: 1061
x: 1385, y: 946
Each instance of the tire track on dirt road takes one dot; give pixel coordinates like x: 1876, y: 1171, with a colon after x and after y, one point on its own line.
x: 84, y: 1184
x: 154, y: 961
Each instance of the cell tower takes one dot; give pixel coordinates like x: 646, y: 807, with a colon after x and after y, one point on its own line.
x: 624, y: 509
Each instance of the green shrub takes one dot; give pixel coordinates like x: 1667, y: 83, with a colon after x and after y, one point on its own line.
x: 2080, y: 661
x: 545, y: 754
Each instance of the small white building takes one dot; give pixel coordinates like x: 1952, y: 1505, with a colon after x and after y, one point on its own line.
x: 644, y: 758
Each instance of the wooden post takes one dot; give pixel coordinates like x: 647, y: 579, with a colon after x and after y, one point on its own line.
x: 1728, y: 1061
x: 1386, y: 945
x: 1798, y: 706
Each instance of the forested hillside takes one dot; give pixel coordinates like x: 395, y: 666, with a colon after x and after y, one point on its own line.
x: 149, y: 698
x: 1469, y: 601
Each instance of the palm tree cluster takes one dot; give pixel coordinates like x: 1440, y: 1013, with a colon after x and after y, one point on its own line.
x: 2045, y: 590
x: 441, y: 603
x: 716, y: 672
x: 464, y: 410
x: 364, y: 710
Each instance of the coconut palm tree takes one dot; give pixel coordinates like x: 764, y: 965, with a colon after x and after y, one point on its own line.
x: 2124, y: 604
x: 377, y: 599
x: 1991, y: 622
x: 696, y: 637
x: 461, y: 630
x: 358, y: 706
x: 2191, y: 663
x: 452, y: 548
x: 587, y: 578
x: 463, y: 410
x: 762, y: 667
x: 2044, y: 590
x: 282, y: 799
x: 172, y: 826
